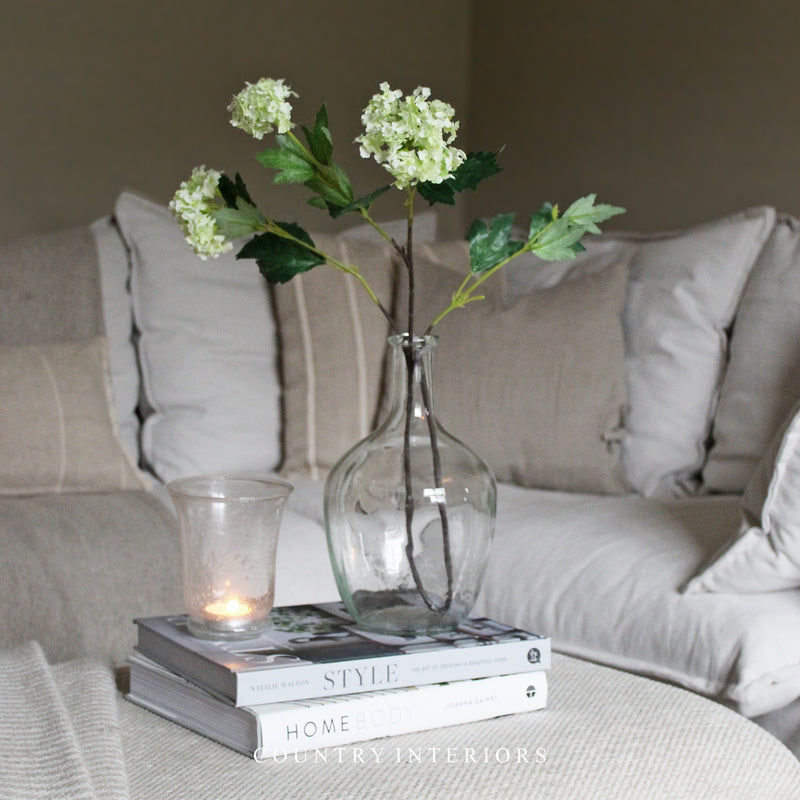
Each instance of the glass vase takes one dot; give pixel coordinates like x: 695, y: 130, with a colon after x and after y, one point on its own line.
x: 409, y: 511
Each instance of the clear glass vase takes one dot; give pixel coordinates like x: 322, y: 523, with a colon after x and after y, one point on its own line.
x: 409, y: 511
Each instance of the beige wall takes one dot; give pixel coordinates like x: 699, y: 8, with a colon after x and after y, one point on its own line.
x: 102, y: 95
x: 679, y: 110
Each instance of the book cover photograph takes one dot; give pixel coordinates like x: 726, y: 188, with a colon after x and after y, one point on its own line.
x: 318, y: 651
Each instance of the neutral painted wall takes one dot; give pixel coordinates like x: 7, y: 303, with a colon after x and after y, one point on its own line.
x: 681, y: 110
x: 102, y: 95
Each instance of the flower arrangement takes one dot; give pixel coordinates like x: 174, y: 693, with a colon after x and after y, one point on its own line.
x: 413, y: 138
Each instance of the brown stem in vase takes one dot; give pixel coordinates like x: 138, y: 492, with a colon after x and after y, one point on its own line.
x: 413, y: 362
x: 439, y: 484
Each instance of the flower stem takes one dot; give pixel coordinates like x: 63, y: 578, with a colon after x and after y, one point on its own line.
x: 273, y: 227
x: 412, y: 361
x: 464, y: 294
x: 439, y: 485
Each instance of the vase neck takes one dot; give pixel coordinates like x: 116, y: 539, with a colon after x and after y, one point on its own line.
x: 411, y: 356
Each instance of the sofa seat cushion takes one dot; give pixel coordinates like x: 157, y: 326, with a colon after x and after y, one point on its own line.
x: 77, y: 568
x: 601, y: 576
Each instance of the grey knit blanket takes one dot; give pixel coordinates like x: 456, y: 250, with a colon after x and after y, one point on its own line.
x: 59, y: 729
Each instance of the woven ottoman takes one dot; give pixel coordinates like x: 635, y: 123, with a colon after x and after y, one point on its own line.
x: 604, y: 734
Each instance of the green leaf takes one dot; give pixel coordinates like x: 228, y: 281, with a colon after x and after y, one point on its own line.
x: 340, y: 180
x: 331, y: 195
x: 286, y: 142
x: 279, y: 259
x: 292, y: 168
x: 240, y: 221
x: 477, y: 167
x: 586, y: 214
x: 541, y: 219
x: 362, y: 202
x: 443, y: 192
x: 491, y: 244
x: 556, y: 238
x: 319, y: 138
x: 559, y: 242
x: 231, y: 191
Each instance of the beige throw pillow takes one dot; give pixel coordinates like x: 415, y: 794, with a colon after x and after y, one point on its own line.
x: 332, y: 344
x: 57, y: 432
x: 537, y: 389
x: 684, y: 288
x: 762, y: 379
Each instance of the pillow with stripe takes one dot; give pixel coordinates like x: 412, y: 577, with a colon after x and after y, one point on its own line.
x: 332, y: 344
x: 57, y: 426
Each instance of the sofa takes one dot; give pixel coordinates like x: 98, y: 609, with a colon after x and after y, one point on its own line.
x: 637, y: 405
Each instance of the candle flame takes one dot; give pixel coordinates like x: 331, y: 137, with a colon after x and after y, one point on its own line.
x: 234, y: 607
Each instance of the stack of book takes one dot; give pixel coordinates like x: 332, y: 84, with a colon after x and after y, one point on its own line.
x: 316, y: 680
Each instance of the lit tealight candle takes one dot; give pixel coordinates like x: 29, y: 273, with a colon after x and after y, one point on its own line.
x: 229, y: 608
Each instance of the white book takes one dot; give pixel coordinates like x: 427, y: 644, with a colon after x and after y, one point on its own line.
x: 274, y: 730
x: 318, y: 651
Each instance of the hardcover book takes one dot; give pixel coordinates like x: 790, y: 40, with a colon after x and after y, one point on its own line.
x: 279, y: 729
x: 319, y: 651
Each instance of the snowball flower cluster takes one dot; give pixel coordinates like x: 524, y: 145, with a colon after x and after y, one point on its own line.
x: 410, y: 136
x: 194, y: 205
x: 261, y: 107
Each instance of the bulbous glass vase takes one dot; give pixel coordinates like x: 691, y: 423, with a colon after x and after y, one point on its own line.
x: 409, y: 511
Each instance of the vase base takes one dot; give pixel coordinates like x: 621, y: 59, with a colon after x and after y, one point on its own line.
x: 392, y: 613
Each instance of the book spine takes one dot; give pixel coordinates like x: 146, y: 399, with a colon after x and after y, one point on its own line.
x: 254, y: 687
x: 289, y: 728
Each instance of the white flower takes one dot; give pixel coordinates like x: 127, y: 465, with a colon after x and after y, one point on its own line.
x: 261, y: 107
x: 410, y: 136
x: 194, y: 204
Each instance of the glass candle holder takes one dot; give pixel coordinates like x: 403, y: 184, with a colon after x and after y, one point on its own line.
x: 229, y: 536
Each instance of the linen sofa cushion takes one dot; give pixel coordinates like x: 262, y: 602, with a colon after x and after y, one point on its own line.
x: 50, y: 288
x: 209, y: 358
x: 71, y: 285
x: 114, y: 271
x: 57, y: 426
x: 765, y: 555
x: 684, y: 289
x: 79, y: 568
x: 206, y: 349
x: 601, y: 576
x: 762, y: 381
x: 332, y: 345
x: 537, y: 389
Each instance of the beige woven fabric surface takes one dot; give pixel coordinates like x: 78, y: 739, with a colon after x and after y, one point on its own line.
x: 59, y: 731
x: 606, y: 735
